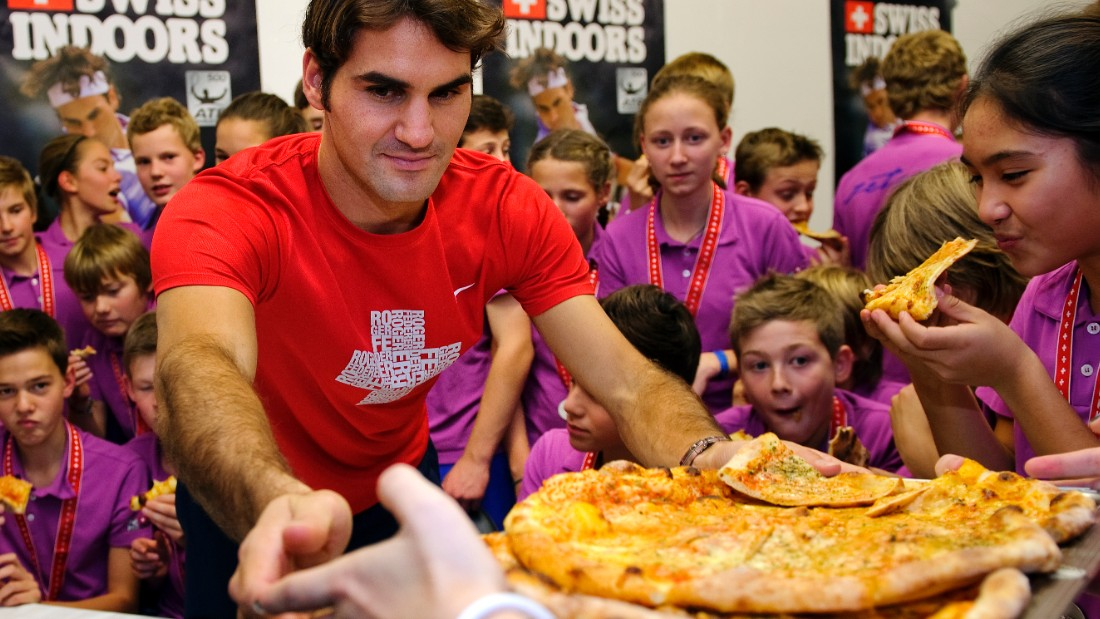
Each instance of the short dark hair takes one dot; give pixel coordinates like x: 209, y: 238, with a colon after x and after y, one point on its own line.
x: 141, y: 339
x: 65, y: 66
x: 24, y: 329
x: 61, y: 154
x: 786, y: 297
x: 658, y: 325
x: 460, y: 25
x: 486, y: 113
x: 1044, y: 77
x: 771, y: 147
x: 278, y: 117
x: 14, y: 176
x: 576, y: 146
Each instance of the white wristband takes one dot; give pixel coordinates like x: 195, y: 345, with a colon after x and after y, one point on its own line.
x: 486, y: 606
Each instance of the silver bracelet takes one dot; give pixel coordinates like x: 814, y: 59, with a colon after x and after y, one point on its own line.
x: 485, y: 606
x: 699, y: 447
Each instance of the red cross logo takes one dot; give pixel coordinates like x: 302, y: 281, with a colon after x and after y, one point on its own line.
x: 859, y: 17
x: 41, y: 5
x: 525, y: 9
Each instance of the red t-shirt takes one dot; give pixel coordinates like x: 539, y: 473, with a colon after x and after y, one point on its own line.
x: 353, y: 327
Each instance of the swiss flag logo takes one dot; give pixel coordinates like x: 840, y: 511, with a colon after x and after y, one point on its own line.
x: 41, y: 5
x: 859, y: 17
x: 525, y: 9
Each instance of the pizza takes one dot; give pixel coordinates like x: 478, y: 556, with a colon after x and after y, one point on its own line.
x: 15, y: 493
x: 168, y: 486
x: 846, y: 447
x: 803, y: 228
x: 83, y: 353
x: 915, y: 291
x: 626, y: 541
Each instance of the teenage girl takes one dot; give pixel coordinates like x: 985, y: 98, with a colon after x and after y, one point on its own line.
x: 694, y: 239
x: 574, y: 167
x: 1031, y: 118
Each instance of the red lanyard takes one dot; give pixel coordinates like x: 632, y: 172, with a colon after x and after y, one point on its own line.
x: 707, y: 249
x: 723, y: 170
x: 563, y: 374
x: 45, y: 275
x: 120, y: 380
x: 589, y: 461
x: 839, y: 419
x: 916, y: 126
x: 74, y: 473
x: 1064, y: 354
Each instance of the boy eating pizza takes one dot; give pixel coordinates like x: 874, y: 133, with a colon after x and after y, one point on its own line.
x: 788, y: 334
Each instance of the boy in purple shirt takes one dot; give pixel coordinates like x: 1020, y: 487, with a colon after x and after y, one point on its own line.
x: 108, y: 269
x: 71, y: 546
x: 662, y: 329
x: 789, y: 336
x: 925, y: 72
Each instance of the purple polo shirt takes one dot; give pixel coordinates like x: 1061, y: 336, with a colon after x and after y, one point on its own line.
x: 863, y: 190
x: 170, y: 595
x: 544, y: 390
x: 112, y: 474
x: 871, y: 421
x: 755, y: 239
x: 1036, y: 321
x: 68, y: 314
x: 882, y: 392
x: 550, y: 455
x: 106, y: 384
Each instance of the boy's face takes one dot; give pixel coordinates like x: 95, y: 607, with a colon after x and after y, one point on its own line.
x: 494, y: 143
x: 16, y: 224
x: 791, y: 189
x: 878, y: 108
x: 94, y: 117
x: 139, y: 386
x: 164, y: 163
x: 233, y: 135
x: 789, y: 378
x: 117, y: 304
x: 568, y: 186
x: 590, y: 426
x: 554, y: 107
x: 32, y: 396
x: 315, y: 118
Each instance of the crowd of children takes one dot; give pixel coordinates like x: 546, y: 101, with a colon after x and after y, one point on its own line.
x: 701, y: 268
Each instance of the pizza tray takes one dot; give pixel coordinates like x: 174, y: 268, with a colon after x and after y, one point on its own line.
x: 1052, y: 594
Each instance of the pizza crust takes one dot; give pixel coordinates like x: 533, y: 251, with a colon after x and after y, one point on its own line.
x: 915, y: 291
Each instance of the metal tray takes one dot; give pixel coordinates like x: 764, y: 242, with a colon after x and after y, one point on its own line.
x: 1052, y: 594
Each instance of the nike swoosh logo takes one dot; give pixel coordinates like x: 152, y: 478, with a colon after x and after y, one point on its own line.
x: 458, y: 290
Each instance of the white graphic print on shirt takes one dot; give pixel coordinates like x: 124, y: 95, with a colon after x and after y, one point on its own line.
x: 400, y: 362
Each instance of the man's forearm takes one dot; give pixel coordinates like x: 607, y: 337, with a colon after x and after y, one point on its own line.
x: 215, y: 430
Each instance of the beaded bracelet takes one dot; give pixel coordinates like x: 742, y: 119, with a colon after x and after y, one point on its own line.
x: 486, y: 606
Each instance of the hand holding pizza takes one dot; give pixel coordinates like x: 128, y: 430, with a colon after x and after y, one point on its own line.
x: 295, y: 531
x: 18, y: 585
x: 434, y: 567
x: 161, y: 511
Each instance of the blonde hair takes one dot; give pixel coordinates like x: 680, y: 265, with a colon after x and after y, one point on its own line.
x: 923, y: 71
x: 141, y: 339
x: 103, y: 251
x: 15, y: 176
x: 156, y: 113
x: 786, y: 297
x: 689, y: 85
x: 847, y: 285
x: 700, y: 65
x: 925, y: 211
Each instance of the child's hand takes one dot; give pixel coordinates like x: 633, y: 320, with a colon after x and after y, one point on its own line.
x: 637, y: 181
x: 834, y: 251
x: 82, y: 375
x: 709, y: 368
x: 149, y: 558
x: 19, y: 586
x: 161, y: 511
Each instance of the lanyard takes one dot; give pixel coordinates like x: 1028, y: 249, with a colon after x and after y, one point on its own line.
x: 701, y: 271
x: 916, y: 126
x: 839, y: 419
x: 563, y: 374
x: 723, y: 170
x: 1064, y: 354
x: 138, y: 424
x: 589, y: 461
x: 74, y: 473
x: 46, y: 277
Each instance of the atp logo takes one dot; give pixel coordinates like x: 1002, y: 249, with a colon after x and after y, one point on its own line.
x: 525, y: 9
x: 41, y: 5
x: 859, y: 17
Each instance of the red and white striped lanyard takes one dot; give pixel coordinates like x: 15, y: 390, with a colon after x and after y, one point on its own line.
x: 74, y: 468
x: 589, y: 460
x: 563, y: 374
x: 707, y: 248
x: 45, y: 276
x: 916, y: 126
x: 723, y: 170
x: 839, y: 418
x: 1064, y: 353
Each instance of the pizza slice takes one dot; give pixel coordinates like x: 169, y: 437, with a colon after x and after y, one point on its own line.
x: 768, y: 470
x: 83, y: 353
x: 168, y: 486
x: 803, y: 228
x: 915, y: 291
x: 15, y: 493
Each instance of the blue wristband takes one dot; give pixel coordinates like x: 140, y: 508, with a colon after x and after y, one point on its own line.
x: 723, y: 363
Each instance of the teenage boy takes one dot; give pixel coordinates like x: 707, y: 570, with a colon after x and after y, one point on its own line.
x: 31, y: 278
x: 925, y: 73
x: 788, y: 334
x: 168, y: 152
x: 488, y: 127
x: 662, y: 329
x: 77, y: 84
x: 72, y: 545
x: 108, y: 269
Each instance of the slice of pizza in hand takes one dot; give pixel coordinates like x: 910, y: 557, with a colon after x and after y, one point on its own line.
x: 803, y: 228
x: 168, y: 486
x: 768, y: 470
x: 15, y: 493
x: 915, y: 291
